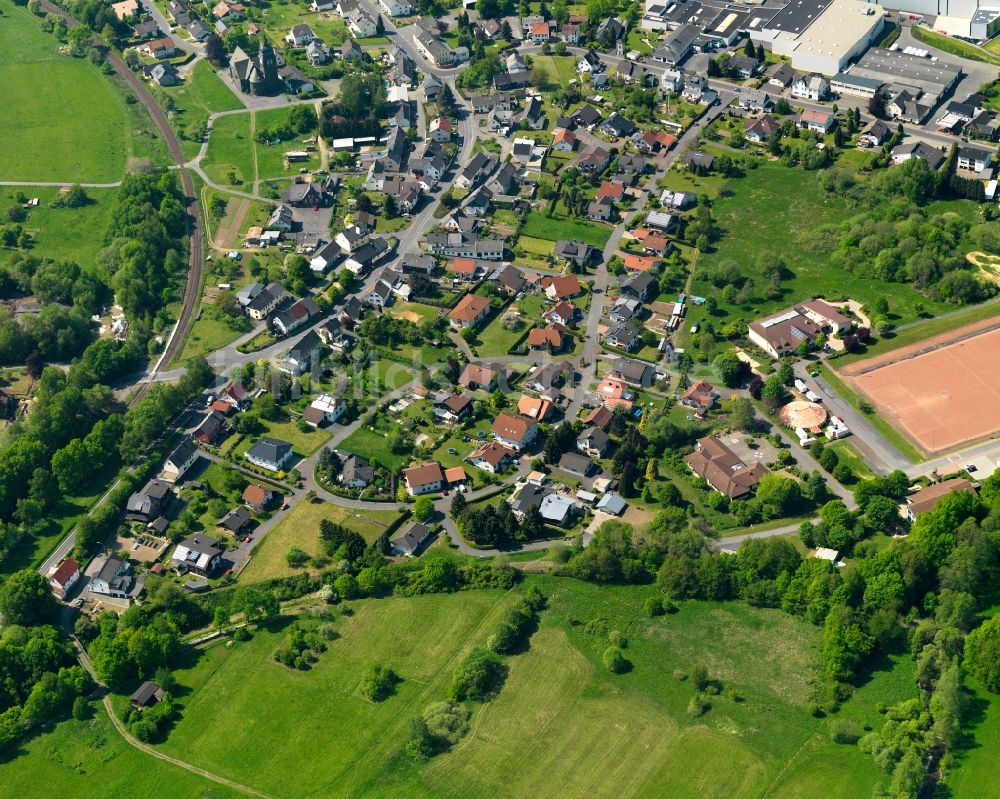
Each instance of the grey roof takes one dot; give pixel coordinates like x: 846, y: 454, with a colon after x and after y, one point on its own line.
x: 576, y: 463
x: 269, y: 449
x: 182, y: 452
x: 612, y: 503
x: 411, y: 538
x: 236, y: 519
x: 357, y: 468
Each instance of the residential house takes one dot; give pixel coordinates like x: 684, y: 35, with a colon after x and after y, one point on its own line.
x: 150, y: 502
x: 624, y: 336
x: 810, y: 87
x: 723, y: 470
x: 635, y: 373
x: 492, y: 457
x: 642, y: 263
x: 926, y: 499
x: 593, y: 442
x: 409, y: 541
x: 617, y: 126
x: 302, y: 355
x: 585, y: 117
x: 563, y: 140
x: 452, y: 408
x: 180, y: 459
x: 235, y: 394
x: 159, y: 48
x: 575, y: 252
x: 558, y: 509
x: 514, y: 431
x: 470, y: 311
x: 612, y: 503
x: 199, y: 554
x: 300, y: 35
x: 677, y: 46
x: 626, y: 308
x: 561, y: 287
x: 63, y: 577
x: 817, y: 121
x: 236, y: 520
x: 781, y: 75
x: 602, y: 210
x: 396, y: 8
x: 257, y: 497
x: 549, y: 338
x: 700, y: 396
x: 269, y: 453
x: 562, y: 313
x: 479, y: 376
x: 760, y: 130
x: 534, y: 407
x: 281, y: 219
x: 329, y: 406
x: 317, y: 53
x: 509, y: 280
x: 298, y: 314
x: 440, y: 129
x: 653, y: 241
x: 874, y: 134
x: 744, y: 66
x: 576, y: 463
x: 424, y: 479
x: 974, y: 159
x: 918, y: 149
x: 114, y: 579
x: 548, y: 376
x: 356, y: 472
x: 593, y: 160
x: 265, y: 301
x: 367, y: 255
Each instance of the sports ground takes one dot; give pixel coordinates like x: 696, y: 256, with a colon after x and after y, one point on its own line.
x: 942, y: 392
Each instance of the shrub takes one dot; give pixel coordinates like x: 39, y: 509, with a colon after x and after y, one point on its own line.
x: 680, y: 675
x: 653, y: 606
x: 296, y: 557
x: 617, y: 639
x: 614, y: 660
x: 844, y: 731
x: 698, y: 706
x: 699, y: 676
x: 81, y: 708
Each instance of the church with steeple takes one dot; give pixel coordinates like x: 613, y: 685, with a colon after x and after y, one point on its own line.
x: 256, y: 75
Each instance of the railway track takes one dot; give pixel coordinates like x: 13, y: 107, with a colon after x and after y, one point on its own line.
x: 196, y: 259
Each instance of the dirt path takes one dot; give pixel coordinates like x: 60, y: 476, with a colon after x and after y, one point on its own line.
x: 149, y: 750
x: 987, y: 264
x: 255, y: 189
x: 229, y: 231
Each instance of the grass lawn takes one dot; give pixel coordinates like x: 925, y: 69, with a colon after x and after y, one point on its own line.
x: 892, y: 435
x: 799, y: 204
x: 72, y: 234
x: 301, y: 528
x: 207, y: 335
x: 554, y: 228
x: 558, y: 707
x: 89, y: 758
x: 203, y: 93
x: 271, y: 157
x: 230, y: 147
x: 849, y: 455
x: 304, y: 444
x: 560, y: 68
x: 413, y: 311
x: 61, y: 120
x: 536, y: 246
x: 954, y: 46
x: 974, y: 771
x: 372, y: 444
x: 279, y: 18
x: 393, y: 375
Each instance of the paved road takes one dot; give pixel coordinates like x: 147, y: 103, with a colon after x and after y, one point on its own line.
x: 168, y: 30
x: 880, y: 455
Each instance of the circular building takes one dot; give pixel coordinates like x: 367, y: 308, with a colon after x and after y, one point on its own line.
x: 801, y: 413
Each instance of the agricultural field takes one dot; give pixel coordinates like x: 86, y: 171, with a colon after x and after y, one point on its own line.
x: 558, y: 707
x: 90, y: 141
x: 89, y: 758
x: 554, y: 228
x: 300, y: 527
x: 72, y: 234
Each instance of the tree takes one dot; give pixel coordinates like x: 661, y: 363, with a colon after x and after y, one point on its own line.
x: 26, y: 599
x: 478, y: 677
x: 742, y: 415
x: 730, y: 368
x: 614, y: 660
x: 379, y: 26
x: 773, y: 394
x: 982, y: 653
x: 378, y: 682
x: 539, y: 76
x: 423, y: 508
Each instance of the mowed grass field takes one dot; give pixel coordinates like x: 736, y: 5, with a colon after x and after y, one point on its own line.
x: 230, y: 146
x: 72, y: 234
x: 796, y: 203
x: 89, y: 758
x: 561, y: 726
x: 61, y: 119
x: 540, y: 226
x: 301, y: 528
x: 974, y: 774
x: 201, y: 94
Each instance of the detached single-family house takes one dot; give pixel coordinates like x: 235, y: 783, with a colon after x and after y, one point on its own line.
x: 409, y: 541
x: 257, y: 497
x: 593, y: 442
x: 424, y: 479
x: 199, y: 554
x: 179, y: 461
x: 114, y: 579
x: 492, y: 457
x: 514, y: 431
x: 270, y: 453
x: 470, y: 311
x: 63, y: 577
x: 700, y: 396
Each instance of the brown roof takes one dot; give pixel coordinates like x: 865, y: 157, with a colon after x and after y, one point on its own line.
x: 512, y: 427
x: 785, y: 329
x: 564, y: 286
x: 641, y: 263
x: 456, y: 474
x: 493, y: 453
x: 550, y: 336
x: 477, y: 373
x: 462, y: 266
x: 700, y: 393
x: 610, y: 188
x: 469, y: 307
x: 723, y: 469
x: 827, y: 311
x: 599, y: 417
x: 562, y: 309
x: 422, y: 475
x: 255, y: 494
x: 925, y: 499
x: 456, y: 403
x: 533, y: 407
